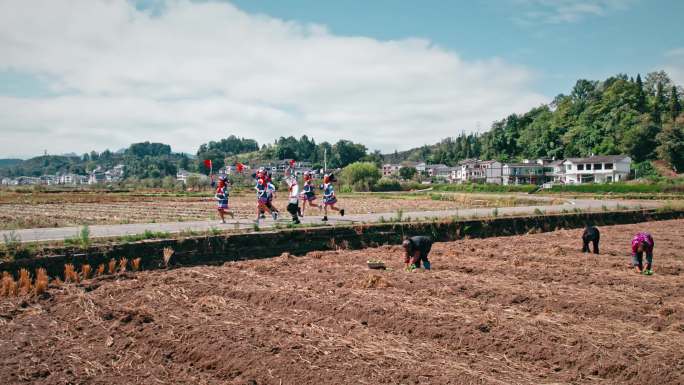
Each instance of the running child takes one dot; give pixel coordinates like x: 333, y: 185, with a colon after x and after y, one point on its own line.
x: 221, y: 197
x: 642, y: 243
x: 308, y: 194
x: 293, y: 198
x: 329, y: 198
x: 270, y: 193
x: 263, y: 203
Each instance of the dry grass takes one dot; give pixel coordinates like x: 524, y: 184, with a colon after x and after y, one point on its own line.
x: 100, y: 270
x: 41, y: 281
x: 168, y: 253
x: 24, y: 281
x: 85, y: 271
x: 70, y: 274
x: 135, y: 264
x: 7, y: 281
x: 112, y: 266
x: 123, y: 263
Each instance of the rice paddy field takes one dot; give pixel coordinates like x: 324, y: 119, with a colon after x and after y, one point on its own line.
x: 60, y: 209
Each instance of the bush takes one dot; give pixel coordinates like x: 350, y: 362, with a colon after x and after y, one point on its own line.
x: 361, y: 176
x: 386, y: 184
x: 475, y: 187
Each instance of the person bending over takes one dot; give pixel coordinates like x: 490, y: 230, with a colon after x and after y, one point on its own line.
x: 642, y: 243
x: 416, y: 251
x: 591, y: 235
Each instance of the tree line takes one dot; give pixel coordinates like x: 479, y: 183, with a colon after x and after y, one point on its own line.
x: 639, y: 117
x: 620, y: 115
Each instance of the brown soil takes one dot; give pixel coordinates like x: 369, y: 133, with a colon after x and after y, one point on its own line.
x: 516, y: 310
x: 76, y: 209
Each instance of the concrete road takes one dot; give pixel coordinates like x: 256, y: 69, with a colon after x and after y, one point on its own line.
x: 102, y: 231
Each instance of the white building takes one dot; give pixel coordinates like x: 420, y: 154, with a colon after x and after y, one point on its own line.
x: 522, y: 173
x: 597, y: 169
x: 493, y: 171
x: 389, y: 169
x: 477, y: 171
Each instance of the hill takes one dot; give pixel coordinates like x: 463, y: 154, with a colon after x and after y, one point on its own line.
x: 618, y: 115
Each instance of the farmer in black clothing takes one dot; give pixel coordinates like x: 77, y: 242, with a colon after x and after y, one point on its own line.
x: 416, y: 251
x: 591, y: 234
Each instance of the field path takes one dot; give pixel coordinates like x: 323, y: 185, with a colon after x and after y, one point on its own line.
x: 104, y: 231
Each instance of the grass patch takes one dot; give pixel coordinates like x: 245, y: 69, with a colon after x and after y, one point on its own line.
x: 622, y: 188
x: 148, y: 234
x: 484, y: 188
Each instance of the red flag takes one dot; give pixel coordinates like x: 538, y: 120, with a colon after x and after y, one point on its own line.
x: 207, y: 164
x: 239, y: 167
x: 292, y: 163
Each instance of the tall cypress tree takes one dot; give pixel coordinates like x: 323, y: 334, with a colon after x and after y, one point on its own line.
x: 641, y: 96
x: 675, y: 105
x: 659, y: 103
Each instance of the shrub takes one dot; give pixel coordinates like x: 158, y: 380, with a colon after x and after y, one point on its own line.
x: 361, y: 176
x: 12, y: 244
x: 386, y: 184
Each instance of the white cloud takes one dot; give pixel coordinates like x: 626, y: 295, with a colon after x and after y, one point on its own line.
x: 201, y: 71
x: 564, y: 11
x: 674, y: 65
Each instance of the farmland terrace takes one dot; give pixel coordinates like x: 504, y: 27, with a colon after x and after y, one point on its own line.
x: 132, y: 216
x: 526, y: 309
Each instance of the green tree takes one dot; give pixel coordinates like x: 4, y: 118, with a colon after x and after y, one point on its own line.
x: 374, y: 157
x: 675, y: 105
x: 641, y: 95
x: 346, y: 152
x: 659, y: 103
x: 361, y: 176
x: 407, y: 173
x: 639, y: 141
x: 671, y: 148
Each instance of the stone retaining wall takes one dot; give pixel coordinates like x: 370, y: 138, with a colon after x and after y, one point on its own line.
x: 221, y: 248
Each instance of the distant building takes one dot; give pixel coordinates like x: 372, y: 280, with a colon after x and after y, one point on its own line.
x: 97, y: 177
x: 182, y: 175
x: 116, y: 174
x: 390, y: 169
x: 477, y: 171
x: 522, y: 173
x: 597, y: 169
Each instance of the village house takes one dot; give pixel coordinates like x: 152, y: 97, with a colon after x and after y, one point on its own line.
x: 440, y: 171
x: 477, y: 171
x: 115, y: 174
x: 523, y: 173
x: 597, y: 169
x: 390, y: 169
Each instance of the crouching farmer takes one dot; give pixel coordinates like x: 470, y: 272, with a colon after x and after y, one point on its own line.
x: 591, y: 235
x: 642, y: 243
x: 416, y: 252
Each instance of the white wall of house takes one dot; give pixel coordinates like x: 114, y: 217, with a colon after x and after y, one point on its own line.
x: 588, y: 170
x: 494, y: 173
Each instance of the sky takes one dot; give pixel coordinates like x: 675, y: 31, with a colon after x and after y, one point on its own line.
x: 84, y: 75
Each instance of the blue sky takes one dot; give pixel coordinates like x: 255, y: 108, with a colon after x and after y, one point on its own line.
x: 624, y: 36
x: 95, y: 74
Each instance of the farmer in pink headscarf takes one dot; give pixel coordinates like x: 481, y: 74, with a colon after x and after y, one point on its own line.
x: 642, y: 243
